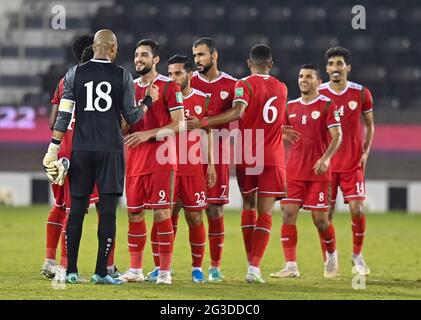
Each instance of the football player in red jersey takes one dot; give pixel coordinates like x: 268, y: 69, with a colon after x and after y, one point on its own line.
x: 220, y: 87
x: 317, y: 120
x: 57, y: 219
x: 152, y: 162
x: 259, y: 105
x: 348, y: 165
x: 190, y: 186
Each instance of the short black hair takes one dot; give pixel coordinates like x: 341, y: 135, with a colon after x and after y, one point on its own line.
x: 312, y: 67
x: 80, y: 44
x: 155, y: 46
x: 261, y: 54
x: 188, y: 66
x: 87, y: 54
x: 338, y: 51
x: 207, y: 41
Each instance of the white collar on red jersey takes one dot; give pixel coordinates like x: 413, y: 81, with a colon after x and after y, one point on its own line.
x: 319, y: 97
x: 349, y: 84
x: 221, y: 75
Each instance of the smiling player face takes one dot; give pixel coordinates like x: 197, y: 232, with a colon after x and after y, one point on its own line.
x: 144, y: 60
x: 337, y: 69
x: 308, y: 81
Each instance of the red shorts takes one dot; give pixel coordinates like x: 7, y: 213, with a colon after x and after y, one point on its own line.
x: 269, y: 183
x: 220, y: 192
x: 150, y: 191
x: 352, y: 185
x: 311, y: 195
x: 94, y: 197
x: 191, y: 190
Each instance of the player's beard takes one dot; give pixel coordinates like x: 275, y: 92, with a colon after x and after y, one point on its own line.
x: 206, y: 68
x: 184, y: 84
x: 145, y: 70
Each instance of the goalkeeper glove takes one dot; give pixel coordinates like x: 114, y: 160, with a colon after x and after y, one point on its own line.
x: 62, y: 166
x: 49, y: 159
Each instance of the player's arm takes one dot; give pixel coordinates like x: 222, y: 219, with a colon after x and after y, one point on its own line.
x: 176, y: 125
x: 211, y: 171
x: 323, y: 163
x: 235, y: 113
x: 64, y: 116
x: 53, y: 116
x: 130, y: 112
x: 54, y: 109
x: 369, y: 126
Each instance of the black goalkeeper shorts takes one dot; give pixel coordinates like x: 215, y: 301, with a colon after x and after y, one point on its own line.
x: 106, y: 169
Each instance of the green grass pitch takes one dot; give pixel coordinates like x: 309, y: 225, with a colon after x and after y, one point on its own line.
x: 392, y: 250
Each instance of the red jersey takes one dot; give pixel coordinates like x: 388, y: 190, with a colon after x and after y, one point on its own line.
x: 148, y: 157
x: 196, y: 105
x: 265, y: 98
x: 220, y: 91
x: 353, y: 101
x: 67, y: 141
x: 312, y: 120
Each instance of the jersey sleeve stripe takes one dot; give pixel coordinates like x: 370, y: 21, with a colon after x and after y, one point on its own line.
x: 334, y: 125
x: 176, y: 108
x: 241, y: 100
x: 367, y: 111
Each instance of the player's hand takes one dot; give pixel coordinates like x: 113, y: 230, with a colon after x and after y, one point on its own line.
x: 153, y: 91
x: 289, y: 134
x: 363, y: 160
x: 50, y: 160
x: 125, y: 127
x: 321, y: 166
x: 62, y: 166
x: 212, y: 176
x: 192, y: 123
x: 136, y: 138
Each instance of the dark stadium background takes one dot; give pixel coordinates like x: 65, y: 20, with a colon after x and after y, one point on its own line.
x: 385, y: 58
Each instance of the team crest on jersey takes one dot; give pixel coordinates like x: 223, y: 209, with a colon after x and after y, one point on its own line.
x: 315, y: 115
x: 198, y: 109
x: 353, y: 105
x: 179, y: 97
x: 336, y: 115
x: 224, y: 95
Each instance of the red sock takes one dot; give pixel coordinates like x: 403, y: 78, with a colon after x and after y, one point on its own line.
x: 261, y: 237
x: 289, y: 242
x: 63, y: 257
x: 155, y: 244
x: 166, y: 242
x: 322, y: 243
x: 328, y: 238
x: 358, y: 230
x: 174, y: 220
x: 136, y: 238
x: 216, y: 239
x: 197, y: 238
x: 248, y: 222
x: 54, y: 226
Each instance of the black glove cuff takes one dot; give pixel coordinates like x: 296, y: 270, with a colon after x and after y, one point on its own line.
x: 55, y: 141
x: 147, y: 101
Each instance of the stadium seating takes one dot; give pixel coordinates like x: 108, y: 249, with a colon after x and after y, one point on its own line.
x: 297, y: 33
